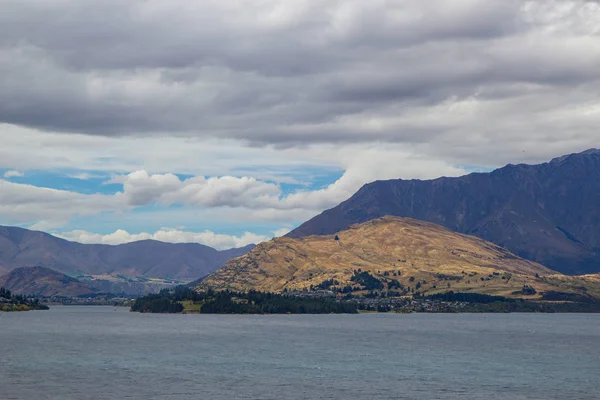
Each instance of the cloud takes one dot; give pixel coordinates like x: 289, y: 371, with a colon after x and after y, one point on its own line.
x: 13, y: 174
x: 84, y: 176
x: 140, y: 188
x: 216, y: 240
x: 281, y: 232
x: 26, y: 149
x: 443, y: 77
x: 46, y: 207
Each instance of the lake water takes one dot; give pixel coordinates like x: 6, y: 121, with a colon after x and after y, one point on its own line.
x: 107, y: 353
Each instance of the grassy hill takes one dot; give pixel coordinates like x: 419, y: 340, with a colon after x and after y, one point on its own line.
x: 396, y: 255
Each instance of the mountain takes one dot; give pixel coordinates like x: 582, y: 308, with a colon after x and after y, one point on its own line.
x: 43, y: 282
x: 548, y: 213
x: 419, y: 255
x: 185, y: 261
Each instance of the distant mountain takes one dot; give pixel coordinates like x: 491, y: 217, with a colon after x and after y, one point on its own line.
x: 401, y: 255
x: 548, y: 213
x: 185, y: 261
x: 43, y: 282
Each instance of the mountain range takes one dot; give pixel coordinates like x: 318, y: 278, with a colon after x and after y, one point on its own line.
x: 548, y: 213
x: 148, y: 258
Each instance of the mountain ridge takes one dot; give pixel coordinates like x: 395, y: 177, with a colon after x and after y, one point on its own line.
x: 20, y: 247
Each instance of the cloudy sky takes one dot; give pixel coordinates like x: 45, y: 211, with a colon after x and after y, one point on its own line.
x: 229, y: 122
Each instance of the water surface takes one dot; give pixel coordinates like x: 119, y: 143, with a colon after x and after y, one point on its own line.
x: 107, y: 353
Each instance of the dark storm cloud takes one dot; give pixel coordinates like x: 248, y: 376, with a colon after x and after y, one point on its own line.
x: 297, y: 72
x: 112, y: 34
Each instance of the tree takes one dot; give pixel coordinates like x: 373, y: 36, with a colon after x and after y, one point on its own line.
x: 337, y: 237
x: 528, y: 290
x: 5, y: 293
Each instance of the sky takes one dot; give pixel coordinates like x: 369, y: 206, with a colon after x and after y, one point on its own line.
x: 231, y: 122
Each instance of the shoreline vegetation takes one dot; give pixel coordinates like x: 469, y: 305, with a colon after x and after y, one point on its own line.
x: 10, y: 302
x: 183, y: 300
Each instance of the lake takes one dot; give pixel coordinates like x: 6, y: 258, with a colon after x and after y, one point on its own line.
x: 110, y: 353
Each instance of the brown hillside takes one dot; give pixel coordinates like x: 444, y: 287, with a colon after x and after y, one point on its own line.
x: 390, y: 248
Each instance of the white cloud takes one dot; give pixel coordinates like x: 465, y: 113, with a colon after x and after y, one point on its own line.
x: 141, y: 188
x: 116, y: 180
x: 45, y: 207
x: 281, y: 232
x: 13, y: 174
x: 84, y: 176
x: 216, y: 240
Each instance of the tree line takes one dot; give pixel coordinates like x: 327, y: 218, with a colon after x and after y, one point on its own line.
x: 12, y: 302
x: 229, y: 302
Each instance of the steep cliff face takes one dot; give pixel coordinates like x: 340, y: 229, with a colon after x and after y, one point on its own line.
x: 548, y: 213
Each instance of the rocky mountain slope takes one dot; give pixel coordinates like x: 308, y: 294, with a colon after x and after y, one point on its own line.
x: 548, y: 213
x: 402, y: 254
x: 43, y: 282
x: 186, y: 261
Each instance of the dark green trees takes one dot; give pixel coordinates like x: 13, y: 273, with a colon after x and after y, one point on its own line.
x: 157, y: 303
x: 226, y: 302
x: 5, y: 293
x: 368, y: 281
